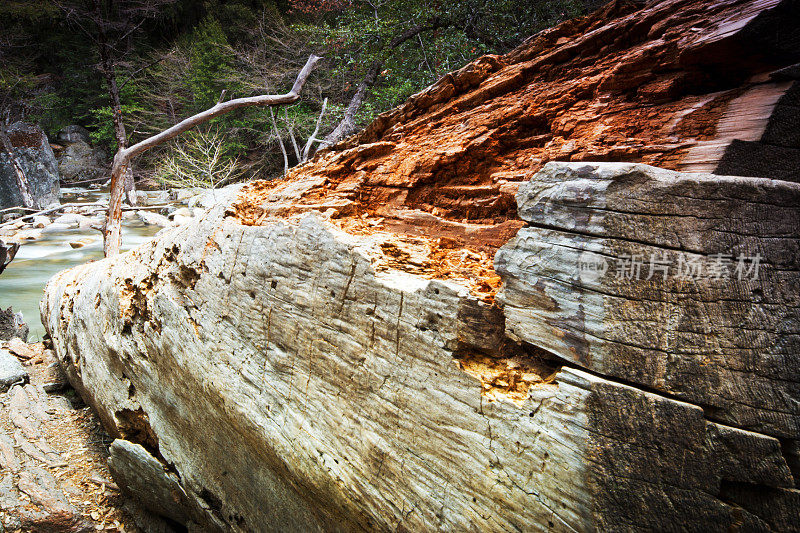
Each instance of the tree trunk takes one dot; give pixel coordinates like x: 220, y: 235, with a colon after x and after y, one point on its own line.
x: 112, y: 229
x: 121, y: 136
x: 347, y: 126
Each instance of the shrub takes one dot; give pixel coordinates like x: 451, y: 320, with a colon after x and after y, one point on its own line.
x: 198, y: 159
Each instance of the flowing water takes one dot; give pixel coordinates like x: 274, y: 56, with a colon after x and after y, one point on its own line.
x: 22, y: 282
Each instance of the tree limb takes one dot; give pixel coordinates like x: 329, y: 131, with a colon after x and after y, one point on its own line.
x: 313, y: 138
x: 347, y: 126
x: 113, y: 224
x: 280, y: 142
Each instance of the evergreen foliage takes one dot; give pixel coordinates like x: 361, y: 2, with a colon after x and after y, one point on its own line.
x: 180, y: 61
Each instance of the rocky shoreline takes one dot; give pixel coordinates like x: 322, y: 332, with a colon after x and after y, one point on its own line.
x: 53, y: 452
x: 160, y: 209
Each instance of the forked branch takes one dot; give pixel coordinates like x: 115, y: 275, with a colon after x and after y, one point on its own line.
x: 113, y: 224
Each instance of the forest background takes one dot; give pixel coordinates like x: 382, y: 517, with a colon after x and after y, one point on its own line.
x: 172, y: 58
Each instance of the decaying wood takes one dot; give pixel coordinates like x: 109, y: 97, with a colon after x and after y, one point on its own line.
x: 715, y: 336
x: 113, y: 224
x: 424, y: 383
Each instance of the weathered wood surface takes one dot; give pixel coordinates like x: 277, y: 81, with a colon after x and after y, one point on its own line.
x: 291, y: 386
x: 727, y: 344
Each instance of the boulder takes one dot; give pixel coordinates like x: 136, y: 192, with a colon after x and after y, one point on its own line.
x: 40, y: 221
x: 150, y: 218
x: 78, y: 162
x: 7, y: 253
x: 73, y: 220
x: 33, y: 154
x: 73, y: 134
x: 12, y: 325
x: 11, y: 370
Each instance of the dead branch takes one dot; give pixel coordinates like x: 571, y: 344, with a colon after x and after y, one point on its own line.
x: 280, y: 142
x: 122, y: 159
x: 313, y: 138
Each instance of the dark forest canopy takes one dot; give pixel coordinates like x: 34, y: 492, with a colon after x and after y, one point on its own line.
x: 172, y: 58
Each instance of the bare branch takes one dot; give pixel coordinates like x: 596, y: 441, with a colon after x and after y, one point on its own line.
x: 225, y: 107
x: 290, y: 128
x: 313, y: 138
x: 113, y: 223
x: 280, y: 142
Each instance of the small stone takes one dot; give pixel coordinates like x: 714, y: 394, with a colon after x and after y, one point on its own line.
x: 153, y: 219
x: 28, y: 235
x: 41, y: 221
x: 20, y: 348
x: 80, y: 243
x: 72, y: 220
x: 180, y: 220
x: 11, y: 370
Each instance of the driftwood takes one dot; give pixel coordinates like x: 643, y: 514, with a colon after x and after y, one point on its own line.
x: 122, y: 159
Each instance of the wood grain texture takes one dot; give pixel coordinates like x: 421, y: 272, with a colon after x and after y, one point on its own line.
x: 729, y: 345
x: 291, y: 386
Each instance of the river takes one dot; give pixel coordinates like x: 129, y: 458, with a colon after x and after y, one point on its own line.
x: 23, y: 281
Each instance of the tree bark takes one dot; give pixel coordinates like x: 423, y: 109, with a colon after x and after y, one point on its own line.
x: 348, y: 125
x: 122, y: 159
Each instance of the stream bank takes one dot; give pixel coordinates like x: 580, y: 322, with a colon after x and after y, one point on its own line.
x: 58, y: 246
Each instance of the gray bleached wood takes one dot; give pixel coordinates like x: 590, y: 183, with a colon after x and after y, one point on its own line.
x: 292, y: 385
x: 727, y: 344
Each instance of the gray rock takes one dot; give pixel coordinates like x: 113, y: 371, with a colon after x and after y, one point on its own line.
x: 180, y: 220
x: 183, y: 195
x: 211, y: 197
x: 12, y: 325
x: 149, y: 198
x: 7, y: 252
x: 72, y: 220
x: 11, y: 370
x: 33, y: 153
x: 72, y: 134
x: 79, y: 161
x: 41, y: 221
x: 153, y: 219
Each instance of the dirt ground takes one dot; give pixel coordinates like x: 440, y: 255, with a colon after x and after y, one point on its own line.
x: 53, y: 454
